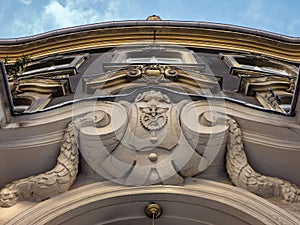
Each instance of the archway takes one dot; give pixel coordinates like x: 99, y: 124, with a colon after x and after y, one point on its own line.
x: 197, y: 202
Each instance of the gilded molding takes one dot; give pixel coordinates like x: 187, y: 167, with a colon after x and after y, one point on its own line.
x: 182, y: 33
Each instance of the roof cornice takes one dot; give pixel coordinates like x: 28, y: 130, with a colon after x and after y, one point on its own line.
x: 190, y: 34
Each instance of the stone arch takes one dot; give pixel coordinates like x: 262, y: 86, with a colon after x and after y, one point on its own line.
x: 197, y: 202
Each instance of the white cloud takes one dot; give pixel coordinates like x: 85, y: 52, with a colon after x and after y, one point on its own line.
x: 20, y: 27
x: 113, y: 10
x: 75, y: 12
x: 44, y: 15
x: 61, y: 15
x: 37, y: 18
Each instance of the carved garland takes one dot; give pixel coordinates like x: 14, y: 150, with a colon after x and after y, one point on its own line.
x: 63, y: 175
x: 244, y: 176
x: 51, y: 183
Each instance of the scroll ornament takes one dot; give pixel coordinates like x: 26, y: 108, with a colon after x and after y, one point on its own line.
x: 151, y: 144
x: 62, y: 176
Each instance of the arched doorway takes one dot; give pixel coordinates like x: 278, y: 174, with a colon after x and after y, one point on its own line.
x: 198, y: 202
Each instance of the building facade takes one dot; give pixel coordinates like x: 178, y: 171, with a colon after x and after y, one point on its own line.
x: 134, y: 122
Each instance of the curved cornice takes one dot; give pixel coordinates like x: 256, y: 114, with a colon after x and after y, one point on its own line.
x: 190, y: 34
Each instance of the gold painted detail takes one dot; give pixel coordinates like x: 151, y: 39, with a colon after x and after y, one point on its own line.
x: 198, y: 37
x: 44, y: 86
x: 153, y: 17
x: 153, y: 210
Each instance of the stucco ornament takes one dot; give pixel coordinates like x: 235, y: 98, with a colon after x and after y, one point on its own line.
x: 243, y: 175
x: 149, y: 148
x: 148, y: 141
x: 51, y: 183
x: 154, y: 117
x: 62, y: 176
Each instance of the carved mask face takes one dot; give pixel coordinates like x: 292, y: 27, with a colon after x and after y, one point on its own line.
x: 153, y: 117
x: 8, y: 197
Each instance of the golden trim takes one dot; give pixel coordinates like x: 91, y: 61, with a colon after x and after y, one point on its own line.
x: 186, y: 36
x: 153, y: 210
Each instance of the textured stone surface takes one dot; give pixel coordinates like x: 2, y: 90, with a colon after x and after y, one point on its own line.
x: 200, y: 200
x: 243, y: 175
x: 144, y: 143
x: 51, y: 183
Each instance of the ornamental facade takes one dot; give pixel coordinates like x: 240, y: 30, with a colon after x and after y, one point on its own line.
x: 140, y: 122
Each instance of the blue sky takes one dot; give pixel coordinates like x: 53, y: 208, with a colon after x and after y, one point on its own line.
x: 28, y: 17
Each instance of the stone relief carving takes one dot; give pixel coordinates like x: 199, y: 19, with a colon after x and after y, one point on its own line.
x: 151, y: 150
x: 150, y: 141
x: 244, y: 176
x: 152, y: 116
x: 153, y: 73
x: 269, y: 100
x: 62, y: 176
x: 141, y: 75
x: 51, y: 183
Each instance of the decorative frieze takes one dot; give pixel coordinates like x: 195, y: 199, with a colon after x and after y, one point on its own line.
x: 149, y: 141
